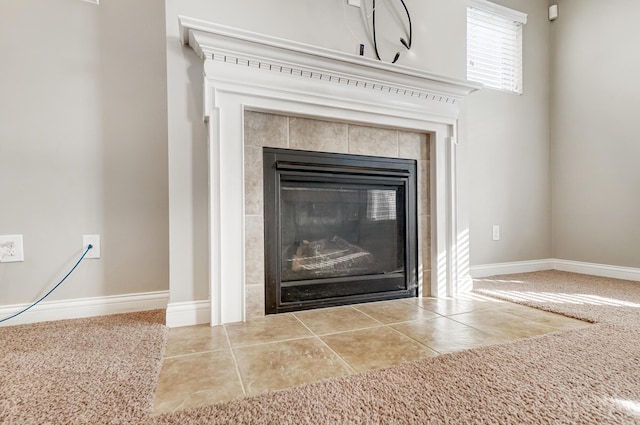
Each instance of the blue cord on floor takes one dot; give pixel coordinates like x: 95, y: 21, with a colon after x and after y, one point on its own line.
x: 52, y: 289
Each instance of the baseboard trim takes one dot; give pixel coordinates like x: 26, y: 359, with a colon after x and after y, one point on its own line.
x: 85, y: 307
x: 486, y: 270
x: 603, y: 270
x: 593, y: 269
x: 188, y: 313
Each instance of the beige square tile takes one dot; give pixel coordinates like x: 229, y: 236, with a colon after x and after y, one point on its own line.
x: 445, y: 335
x: 197, y: 380
x: 452, y: 306
x: 376, y: 348
x: 253, y: 187
x: 373, y: 141
x: 271, y: 328
x: 262, y: 129
x: 286, y: 364
x: 254, y: 301
x: 254, y: 249
x: 424, y: 204
x: 315, y: 135
x: 424, y: 252
x: 503, y: 324
x: 337, y: 319
x: 195, y: 339
x: 395, y: 311
x: 413, y: 145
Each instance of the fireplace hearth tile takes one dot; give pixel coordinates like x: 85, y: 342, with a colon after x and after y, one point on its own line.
x: 445, y: 335
x: 451, y: 306
x: 278, y: 327
x: 285, y: 364
x: 376, y: 348
x: 197, y: 380
x: 195, y: 339
x: 337, y: 319
x: 389, y: 312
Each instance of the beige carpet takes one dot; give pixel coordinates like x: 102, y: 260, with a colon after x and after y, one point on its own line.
x: 103, y: 371
x: 100, y: 370
x: 584, y: 376
x: 592, y: 298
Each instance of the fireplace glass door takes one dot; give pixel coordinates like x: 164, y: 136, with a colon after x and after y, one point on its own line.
x: 338, y: 229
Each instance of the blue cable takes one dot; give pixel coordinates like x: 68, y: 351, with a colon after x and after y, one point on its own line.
x: 52, y: 289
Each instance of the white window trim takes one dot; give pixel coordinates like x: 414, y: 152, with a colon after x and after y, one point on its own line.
x: 505, y: 14
x: 499, y: 10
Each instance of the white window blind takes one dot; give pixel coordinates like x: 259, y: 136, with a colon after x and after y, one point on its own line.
x: 494, y: 45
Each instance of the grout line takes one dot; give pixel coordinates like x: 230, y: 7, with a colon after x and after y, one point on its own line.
x: 351, y: 369
x: 191, y: 354
x: 415, y: 340
x: 378, y: 325
x: 274, y: 342
x: 235, y: 361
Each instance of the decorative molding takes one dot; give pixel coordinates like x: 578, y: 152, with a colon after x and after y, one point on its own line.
x: 486, y: 270
x: 248, y: 71
x: 604, y: 270
x: 85, y: 307
x: 188, y: 313
x: 234, y: 46
x: 593, y: 269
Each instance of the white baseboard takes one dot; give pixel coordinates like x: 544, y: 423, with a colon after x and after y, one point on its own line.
x: 604, y: 270
x: 510, y: 268
x: 593, y: 269
x: 188, y: 313
x: 84, y: 307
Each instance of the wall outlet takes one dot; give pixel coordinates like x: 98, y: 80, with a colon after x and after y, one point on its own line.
x: 11, y: 248
x: 94, y: 240
x: 496, y: 232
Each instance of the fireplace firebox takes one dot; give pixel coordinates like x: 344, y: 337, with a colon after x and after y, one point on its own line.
x: 339, y: 229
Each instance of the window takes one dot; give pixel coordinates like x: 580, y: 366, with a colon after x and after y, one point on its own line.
x: 494, y: 45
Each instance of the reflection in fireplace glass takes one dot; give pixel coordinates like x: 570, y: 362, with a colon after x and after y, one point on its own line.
x: 329, y: 230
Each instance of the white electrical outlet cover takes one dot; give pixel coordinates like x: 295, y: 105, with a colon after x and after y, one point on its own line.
x: 355, y: 3
x: 17, y: 249
x: 94, y: 240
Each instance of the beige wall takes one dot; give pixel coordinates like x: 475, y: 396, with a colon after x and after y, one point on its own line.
x: 596, y: 148
x: 83, y: 134
x: 439, y: 46
x: 83, y: 145
x: 509, y: 151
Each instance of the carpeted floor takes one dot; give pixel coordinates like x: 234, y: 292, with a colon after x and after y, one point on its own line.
x: 584, y: 376
x: 591, y: 298
x: 100, y: 370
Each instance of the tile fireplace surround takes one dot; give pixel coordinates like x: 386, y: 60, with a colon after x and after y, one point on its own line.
x: 264, y: 91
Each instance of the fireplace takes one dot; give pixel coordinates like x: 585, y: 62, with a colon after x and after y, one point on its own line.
x: 339, y: 229
x: 247, y: 73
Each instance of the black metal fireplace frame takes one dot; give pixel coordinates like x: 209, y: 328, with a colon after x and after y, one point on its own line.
x: 295, y: 165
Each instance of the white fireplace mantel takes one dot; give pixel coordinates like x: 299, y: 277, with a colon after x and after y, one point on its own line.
x: 248, y: 71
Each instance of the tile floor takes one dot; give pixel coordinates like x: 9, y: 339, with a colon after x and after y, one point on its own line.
x: 203, y: 365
